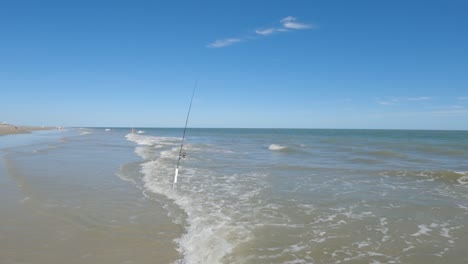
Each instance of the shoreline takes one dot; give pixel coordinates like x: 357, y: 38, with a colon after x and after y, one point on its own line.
x: 9, y: 129
x: 64, y: 200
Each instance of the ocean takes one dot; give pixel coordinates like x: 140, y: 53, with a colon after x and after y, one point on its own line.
x: 243, y: 196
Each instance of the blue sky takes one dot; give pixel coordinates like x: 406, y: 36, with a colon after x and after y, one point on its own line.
x: 300, y: 64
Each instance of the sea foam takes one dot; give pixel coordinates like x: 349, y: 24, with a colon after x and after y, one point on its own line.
x: 211, y: 233
x: 276, y: 147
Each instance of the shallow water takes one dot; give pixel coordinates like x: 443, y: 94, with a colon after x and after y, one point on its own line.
x: 61, y: 202
x: 247, y: 195
x: 314, y: 196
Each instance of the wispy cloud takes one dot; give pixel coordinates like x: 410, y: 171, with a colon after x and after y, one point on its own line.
x: 463, y: 98
x: 224, y: 42
x: 386, y: 102
x: 288, y: 23
x: 396, y: 100
x: 266, y: 32
x: 422, y: 98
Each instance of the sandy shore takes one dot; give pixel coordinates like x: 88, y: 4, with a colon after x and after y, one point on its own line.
x: 6, y: 129
x: 65, y: 198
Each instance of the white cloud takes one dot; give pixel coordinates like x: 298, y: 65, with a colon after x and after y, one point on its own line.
x: 266, y: 32
x: 393, y: 101
x: 290, y: 22
x: 462, y: 98
x: 390, y: 101
x: 422, y: 98
x: 287, y: 19
x: 224, y: 42
x: 386, y: 102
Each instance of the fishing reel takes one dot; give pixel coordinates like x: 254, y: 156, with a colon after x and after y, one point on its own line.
x: 184, y: 155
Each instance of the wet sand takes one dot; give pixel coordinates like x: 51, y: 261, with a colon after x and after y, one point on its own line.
x: 63, y: 202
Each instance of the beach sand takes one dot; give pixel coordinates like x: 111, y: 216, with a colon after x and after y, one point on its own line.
x: 6, y: 129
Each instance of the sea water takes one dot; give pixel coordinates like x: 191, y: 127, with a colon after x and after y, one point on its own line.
x: 261, y: 195
x: 312, y: 196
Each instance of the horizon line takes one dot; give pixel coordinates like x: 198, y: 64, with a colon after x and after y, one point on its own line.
x: 265, y: 128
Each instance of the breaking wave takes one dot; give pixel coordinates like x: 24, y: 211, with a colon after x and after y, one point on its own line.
x: 276, y: 147
x: 210, y: 231
x: 456, y: 177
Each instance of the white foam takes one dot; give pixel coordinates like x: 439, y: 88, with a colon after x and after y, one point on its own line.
x: 423, y: 230
x: 463, y: 180
x: 445, y: 232
x: 383, y: 229
x: 441, y: 254
x: 151, y: 140
x: 297, y: 247
x: 276, y: 147
x: 408, y: 247
x: 375, y: 254
x: 25, y: 199
x: 211, y: 232
x: 362, y: 244
x: 296, y: 261
x: 83, y: 131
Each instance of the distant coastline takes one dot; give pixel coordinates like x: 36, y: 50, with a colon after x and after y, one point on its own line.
x: 8, y: 129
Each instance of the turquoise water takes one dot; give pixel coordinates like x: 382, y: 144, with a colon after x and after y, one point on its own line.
x: 243, y: 196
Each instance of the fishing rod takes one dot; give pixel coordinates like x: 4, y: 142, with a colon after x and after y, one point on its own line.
x: 181, y: 153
